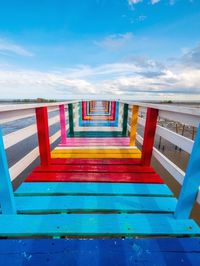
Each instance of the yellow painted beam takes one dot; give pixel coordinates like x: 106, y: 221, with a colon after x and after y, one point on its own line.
x: 134, y: 120
x: 97, y: 156
x: 96, y: 151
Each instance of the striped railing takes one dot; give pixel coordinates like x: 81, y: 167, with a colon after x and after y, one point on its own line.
x: 147, y: 116
x: 39, y: 113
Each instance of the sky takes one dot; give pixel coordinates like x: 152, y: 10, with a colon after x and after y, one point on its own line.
x: 125, y: 49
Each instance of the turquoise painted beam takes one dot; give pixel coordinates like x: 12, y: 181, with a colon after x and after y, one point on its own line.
x: 71, y: 122
x: 125, y: 120
x: 6, y: 192
x: 191, y: 182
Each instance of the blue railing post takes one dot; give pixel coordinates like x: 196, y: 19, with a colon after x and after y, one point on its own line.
x: 6, y: 192
x: 191, y: 182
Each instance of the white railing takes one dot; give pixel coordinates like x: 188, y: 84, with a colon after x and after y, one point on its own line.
x: 10, y: 113
x: 184, y: 115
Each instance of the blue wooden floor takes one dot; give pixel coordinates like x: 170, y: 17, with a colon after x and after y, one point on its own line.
x: 100, y: 252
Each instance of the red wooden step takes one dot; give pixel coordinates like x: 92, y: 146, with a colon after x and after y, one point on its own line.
x: 95, y: 168
x: 96, y: 161
x: 94, y: 177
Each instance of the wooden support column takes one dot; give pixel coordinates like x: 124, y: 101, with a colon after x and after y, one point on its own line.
x: 71, y: 122
x: 149, y: 135
x: 7, y: 201
x: 62, y: 123
x: 134, y: 120
x: 43, y: 135
x: 191, y: 182
x: 125, y: 120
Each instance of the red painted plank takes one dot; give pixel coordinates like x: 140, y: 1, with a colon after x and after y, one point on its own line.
x: 43, y: 135
x: 96, y: 168
x: 95, y: 177
x: 96, y: 161
x: 149, y: 134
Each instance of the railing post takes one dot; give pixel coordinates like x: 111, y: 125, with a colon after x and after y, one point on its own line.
x: 125, y: 120
x: 71, y: 123
x: 7, y: 200
x: 134, y: 120
x: 43, y: 135
x: 62, y: 123
x: 149, y: 135
x: 191, y: 182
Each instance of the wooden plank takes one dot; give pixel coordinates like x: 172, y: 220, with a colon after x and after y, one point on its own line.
x: 62, y: 123
x: 7, y: 201
x: 95, y: 141
x: 191, y: 182
x: 125, y: 119
x: 96, y: 161
x: 95, y: 177
x: 79, y: 188
x: 173, y: 169
x: 23, y: 163
x: 54, y: 137
x: 98, y: 147
x: 95, y: 134
x: 96, y: 225
x: 176, y: 139
x: 149, y: 134
x: 85, y: 204
x: 96, y: 168
x: 188, y: 119
x: 134, y: 119
x: 21, y: 134
x: 71, y: 123
x: 103, y: 150
x: 115, y: 251
x: 43, y: 135
x: 96, y: 155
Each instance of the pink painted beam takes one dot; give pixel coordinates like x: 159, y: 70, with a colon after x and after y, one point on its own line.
x: 96, y: 142
x: 62, y: 123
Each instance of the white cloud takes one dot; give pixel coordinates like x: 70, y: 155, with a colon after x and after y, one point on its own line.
x: 127, y: 80
x: 115, y: 41
x: 133, y: 2
x: 7, y: 47
x: 155, y: 1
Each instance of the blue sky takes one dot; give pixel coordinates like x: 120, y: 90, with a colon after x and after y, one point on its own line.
x: 139, y: 49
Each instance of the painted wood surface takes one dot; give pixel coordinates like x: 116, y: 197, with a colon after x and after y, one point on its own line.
x: 96, y: 161
x: 96, y: 134
x: 6, y: 192
x: 149, y: 134
x: 78, y: 188
x: 95, y: 141
x: 134, y: 119
x: 71, y: 122
x: 125, y: 120
x: 43, y: 135
x: 106, y: 252
x: 99, y: 168
x: 191, y: 182
x: 96, y: 155
x: 96, y: 225
x: 97, y: 203
x: 62, y: 123
x: 150, y: 178
x: 91, y: 150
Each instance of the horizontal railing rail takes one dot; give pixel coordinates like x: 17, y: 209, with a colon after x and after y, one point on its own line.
x: 10, y: 113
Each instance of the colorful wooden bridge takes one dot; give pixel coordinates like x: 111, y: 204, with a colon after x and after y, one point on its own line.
x: 95, y: 196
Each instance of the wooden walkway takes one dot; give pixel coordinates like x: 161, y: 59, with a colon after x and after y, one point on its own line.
x: 96, y: 187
